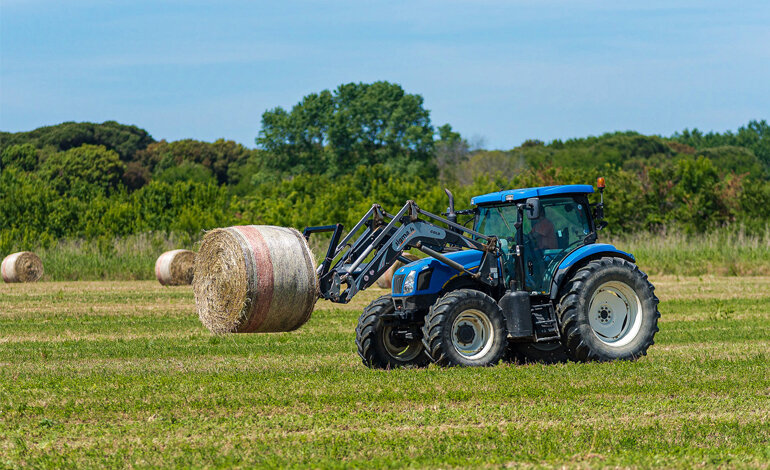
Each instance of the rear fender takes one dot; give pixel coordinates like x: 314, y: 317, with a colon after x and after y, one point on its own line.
x: 579, y: 258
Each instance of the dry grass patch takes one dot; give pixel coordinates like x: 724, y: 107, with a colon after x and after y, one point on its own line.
x: 711, y: 287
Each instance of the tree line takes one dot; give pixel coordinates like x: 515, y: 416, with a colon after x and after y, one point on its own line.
x: 336, y: 152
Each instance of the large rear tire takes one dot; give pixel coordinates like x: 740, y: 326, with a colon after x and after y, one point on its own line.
x: 377, y: 344
x: 465, y: 328
x: 608, y: 311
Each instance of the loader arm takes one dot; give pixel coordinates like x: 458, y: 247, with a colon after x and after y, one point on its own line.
x: 381, y: 238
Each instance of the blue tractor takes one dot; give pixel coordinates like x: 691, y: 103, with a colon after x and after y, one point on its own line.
x: 526, y: 281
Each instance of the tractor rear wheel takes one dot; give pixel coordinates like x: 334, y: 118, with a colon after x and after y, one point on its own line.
x: 465, y: 328
x: 381, y: 342
x: 608, y: 311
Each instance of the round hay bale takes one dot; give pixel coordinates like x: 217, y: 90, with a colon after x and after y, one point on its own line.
x: 175, y: 267
x: 385, y: 280
x: 254, y: 278
x: 24, y: 266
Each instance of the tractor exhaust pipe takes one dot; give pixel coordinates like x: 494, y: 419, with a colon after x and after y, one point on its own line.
x: 451, y: 215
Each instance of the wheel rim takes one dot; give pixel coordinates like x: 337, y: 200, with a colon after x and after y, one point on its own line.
x: 614, y: 313
x: 400, y: 352
x: 472, y: 334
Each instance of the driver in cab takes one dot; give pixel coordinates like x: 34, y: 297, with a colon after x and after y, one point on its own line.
x: 544, y: 233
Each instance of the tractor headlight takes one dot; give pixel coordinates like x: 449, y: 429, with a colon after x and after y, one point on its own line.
x: 409, y: 282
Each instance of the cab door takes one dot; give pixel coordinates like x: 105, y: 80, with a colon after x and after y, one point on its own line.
x: 562, y: 227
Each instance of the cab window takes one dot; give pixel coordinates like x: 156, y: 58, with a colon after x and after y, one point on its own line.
x: 497, y: 221
x: 500, y: 221
x: 562, y: 226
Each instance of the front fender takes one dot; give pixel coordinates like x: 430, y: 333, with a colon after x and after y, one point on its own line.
x: 580, y: 257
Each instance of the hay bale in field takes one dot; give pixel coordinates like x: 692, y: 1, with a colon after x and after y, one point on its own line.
x: 24, y: 266
x: 175, y: 267
x: 254, y: 278
x: 385, y: 280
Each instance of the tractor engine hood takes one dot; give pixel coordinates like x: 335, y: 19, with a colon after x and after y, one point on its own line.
x: 440, y: 273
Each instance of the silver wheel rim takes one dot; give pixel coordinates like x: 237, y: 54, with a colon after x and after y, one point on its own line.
x: 401, y: 353
x: 614, y: 313
x: 482, y: 338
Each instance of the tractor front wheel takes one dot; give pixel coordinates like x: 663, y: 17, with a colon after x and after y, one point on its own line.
x: 608, y: 311
x: 381, y: 341
x: 465, y: 328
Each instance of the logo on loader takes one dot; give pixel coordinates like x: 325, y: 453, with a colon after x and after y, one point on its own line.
x: 399, y: 242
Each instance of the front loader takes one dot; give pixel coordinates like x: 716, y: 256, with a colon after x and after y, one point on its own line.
x: 529, y: 282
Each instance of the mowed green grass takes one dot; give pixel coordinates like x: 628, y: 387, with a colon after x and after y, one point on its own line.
x: 114, y: 374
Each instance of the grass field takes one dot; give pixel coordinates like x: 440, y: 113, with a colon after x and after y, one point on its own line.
x: 114, y: 374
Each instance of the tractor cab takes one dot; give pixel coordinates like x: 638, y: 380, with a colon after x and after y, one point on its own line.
x: 563, y: 223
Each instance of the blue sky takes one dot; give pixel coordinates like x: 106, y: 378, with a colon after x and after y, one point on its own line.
x: 500, y: 72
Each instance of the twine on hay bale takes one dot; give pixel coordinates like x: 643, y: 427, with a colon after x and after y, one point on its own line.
x: 175, y: 267
x: 254, y: 278
x: 24, y: 266
x: 386, y: 278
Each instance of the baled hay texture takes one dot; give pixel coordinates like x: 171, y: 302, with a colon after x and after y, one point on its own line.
x: 385, y: 280
x: 24, y: 266
x: 254, y: 278
x: 175, y: 268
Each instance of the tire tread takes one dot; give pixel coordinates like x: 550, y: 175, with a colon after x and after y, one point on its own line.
x: 578, y: 349
x: 435, y: 323
x: 366, y: 337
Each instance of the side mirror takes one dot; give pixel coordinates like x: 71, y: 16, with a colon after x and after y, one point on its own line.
x: 533, y: 208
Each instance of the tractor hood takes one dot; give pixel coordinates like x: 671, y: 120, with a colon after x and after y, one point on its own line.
x: 440, y: 272
x: 468, y: 258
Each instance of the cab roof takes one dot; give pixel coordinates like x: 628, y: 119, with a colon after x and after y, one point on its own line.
x: 522, y: 194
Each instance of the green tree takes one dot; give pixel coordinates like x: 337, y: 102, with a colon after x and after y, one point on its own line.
x: 754, y: 136
x: 81, y: 170
x: 357, y: 124
x: 186, y: 171
x: 248, y: 173
x: 697, y: 192
x: 21, y: 156
x: 450, y: 151
x: 755, y: 206
x: 740, y: 160
x: 217, y: 156
x: 135, y: 176
x: 123, y: 139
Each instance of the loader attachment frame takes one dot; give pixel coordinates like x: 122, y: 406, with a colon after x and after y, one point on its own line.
x: 382, y: 238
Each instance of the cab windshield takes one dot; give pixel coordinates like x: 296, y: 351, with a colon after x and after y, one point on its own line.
x: 562, y: 226
x: 497, y: 220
